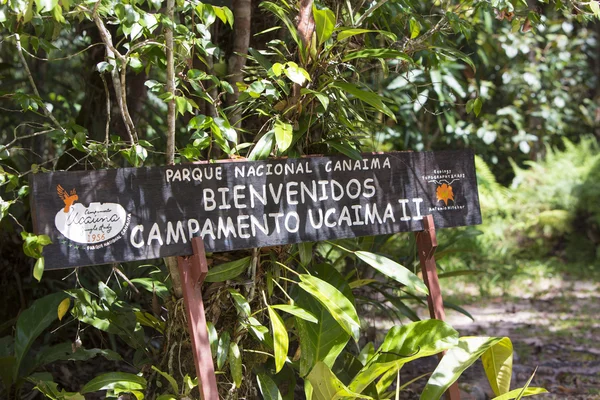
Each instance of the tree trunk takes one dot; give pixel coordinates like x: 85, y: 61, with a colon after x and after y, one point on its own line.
x: 242, y: 11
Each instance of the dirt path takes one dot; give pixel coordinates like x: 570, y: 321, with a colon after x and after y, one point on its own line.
x: 554, y: 325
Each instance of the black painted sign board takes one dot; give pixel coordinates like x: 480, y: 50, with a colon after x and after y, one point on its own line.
x: 127, y: 214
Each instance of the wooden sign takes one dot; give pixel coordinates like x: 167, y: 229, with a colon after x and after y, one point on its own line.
x: 126, y: 214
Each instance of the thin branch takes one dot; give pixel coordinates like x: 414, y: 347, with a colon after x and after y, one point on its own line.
x: 47, y: 112
x: 370, y: 11
x: 171, y: 111
x: 107, y: 109
x: 62, y: 58
x: 119, y: 82
x: 27, y: 137
x: 125, y: 278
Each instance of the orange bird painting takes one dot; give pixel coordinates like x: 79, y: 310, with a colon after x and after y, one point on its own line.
x: 68, y: 198
x: 444, y: 193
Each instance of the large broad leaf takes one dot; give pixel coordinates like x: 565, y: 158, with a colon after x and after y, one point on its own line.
x: 513, y: 394
x: 497, y: 363
x: 263, y: 147
x: 281, y: 339
x: 324, y: 24
x: 267, y: 387
x: 235, y: 363
x: 346, y: 33
x: 334, y: 301
x: 326, y: 340
x: 284, y: 134
x: 64, y: 351
x: 377, y: 53
x: 50, y: 390
x: 326, y: 386
x: 115, y: 380
x: 297, y: 311
x: 371, y: 98
x: 393, y: 270
x: 403, y: 344
x: 227, y: 271
x: 452, y: 365
x: 32, y: 322
x: 346, y: 149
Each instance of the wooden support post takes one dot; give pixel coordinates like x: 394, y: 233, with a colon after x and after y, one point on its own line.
x: 426, y: 246
x: 193, y: 270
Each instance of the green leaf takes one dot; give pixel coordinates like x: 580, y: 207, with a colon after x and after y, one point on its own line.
x: 326, y: 340
x: 338, y: 305
x: 513, y: 394
x: 241, y: 304
x: 297, y: 311
x: 403, y: 344
x: 63, y: 307
x: 32, y: 322
x: 267, y: 387
x: 281, y: 339
x: 377, y: 53
x: 323, y: 99
x: 346, y: 33
x: 263, y: 147
x: 415, y: 28
x: 305, y: 251
x: 7, y: 370
x: 595, y: 7
x: 235, y: 364
x: 182, y: 104
x: 229, y: 270
x: 477, y: 106
x: 50, y: 390
x: 393, y: 270
x: 327, y: 386
x: 295, y: 73
x: 224, y: 14
x: 213, y: 338
x: 522, y: 393
x: 169, y: 379
x: 324, y: 23
x: 223, y: 349
x: 452, y: 365
x: 45, y: 5
x: 38, y: 269
x: 284, y: 133
x: 497, y: 363
x: 345, y: 149
x: 371, y: 98
x: 113, y: 381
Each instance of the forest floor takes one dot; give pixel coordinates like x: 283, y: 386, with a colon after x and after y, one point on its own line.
x: 554, y: 325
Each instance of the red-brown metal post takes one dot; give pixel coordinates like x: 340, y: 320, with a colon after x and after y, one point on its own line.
x: 426, y: 246
x: 193, y: 270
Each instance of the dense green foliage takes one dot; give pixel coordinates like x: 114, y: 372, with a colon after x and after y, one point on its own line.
x: 90, y: 84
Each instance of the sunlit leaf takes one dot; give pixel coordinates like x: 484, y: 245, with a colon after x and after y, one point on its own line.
x: 324, y: 23
x: 454, y: 362
x: 297, y: 311
x: 267, y: 387
x: 393, y: 270
x: 235, y: 364
x: 327, y: 386
x: 281, y: 339
x: 115, y: 380
x: 497, y: 363
x: 334, y: 301
x: 283, y: 135
x: 371, y: 98
x: 63, y: 307
x: 229, y: 270
x: 513, y: 394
